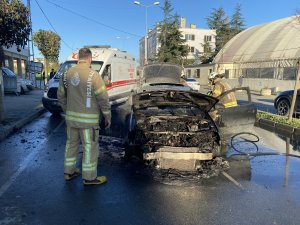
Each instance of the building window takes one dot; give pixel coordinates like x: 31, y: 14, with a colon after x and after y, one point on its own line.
x: 6, y: 63
x: 189, y: 72
x: 207, y: 38
x: 190, y: 37
x: 289, y: 73
x: 192, y: 49
x: 251, y: 72
x: 23, y: 67
x: 198, y: 73
x: 15, y: 66
x: 226, y: 75
x: 267, y: 73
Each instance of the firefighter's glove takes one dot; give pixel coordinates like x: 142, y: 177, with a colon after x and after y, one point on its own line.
x: 107, y: 123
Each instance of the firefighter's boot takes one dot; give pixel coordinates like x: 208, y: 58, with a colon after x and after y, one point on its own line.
x: 69, y: 177
x: 97, y: 181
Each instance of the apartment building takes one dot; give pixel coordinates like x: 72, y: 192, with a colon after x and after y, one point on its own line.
x: 15, y: 60
x: 195, y: 39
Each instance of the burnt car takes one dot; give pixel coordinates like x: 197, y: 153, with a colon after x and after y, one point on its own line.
x: 163, y: 77
x: 282, y: 102
x: 170, y: 126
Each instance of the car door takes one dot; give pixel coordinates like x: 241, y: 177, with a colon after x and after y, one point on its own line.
x: 240, y: 118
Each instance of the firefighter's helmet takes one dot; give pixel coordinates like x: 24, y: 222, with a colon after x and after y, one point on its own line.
x: 214, y: 75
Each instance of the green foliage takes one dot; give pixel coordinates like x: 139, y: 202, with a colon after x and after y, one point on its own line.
x: 173, y: 48
x: 278, y: 119
x: 207, y: 55
x: 219, y: 21
x: 48, y: 44
x: 237, y: 22
x: 225, y: 29
x: 187, y: 62
x: 14, y: 25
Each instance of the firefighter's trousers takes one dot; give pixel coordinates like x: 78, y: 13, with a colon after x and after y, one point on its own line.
x: 89, y: 138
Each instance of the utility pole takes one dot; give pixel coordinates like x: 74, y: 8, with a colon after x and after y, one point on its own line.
x: 30, y: 42
x: 295, y: 92
x: 1, y: 96
x: 146, y: 34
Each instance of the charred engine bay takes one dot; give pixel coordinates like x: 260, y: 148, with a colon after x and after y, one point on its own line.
x: 174, y: 130
x: 176, y: 127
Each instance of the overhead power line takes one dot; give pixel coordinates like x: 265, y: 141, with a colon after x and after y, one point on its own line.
x: 93, y: 20
x: 52, y: 25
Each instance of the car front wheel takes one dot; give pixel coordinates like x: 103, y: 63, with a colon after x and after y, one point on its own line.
x: 283, y: 107
x: 54, y: 113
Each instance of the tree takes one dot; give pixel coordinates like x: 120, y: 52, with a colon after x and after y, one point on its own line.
x: 219, y: 21
x: 14, y: 29
x: 206, y: 57
x: 48, y: 44
x: 237, y: 22
x: 173, y: 48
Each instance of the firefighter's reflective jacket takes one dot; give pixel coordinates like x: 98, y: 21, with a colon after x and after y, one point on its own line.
x: 82, y: 94
x: 219, y: 88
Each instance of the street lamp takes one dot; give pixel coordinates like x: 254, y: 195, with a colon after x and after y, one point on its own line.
x: 146, y: 35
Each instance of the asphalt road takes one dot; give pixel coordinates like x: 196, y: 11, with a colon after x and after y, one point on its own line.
x: 255, y: 190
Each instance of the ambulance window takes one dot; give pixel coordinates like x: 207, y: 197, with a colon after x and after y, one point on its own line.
x: 106, y: 75
x: 64, y: 67
x: 96, y: 66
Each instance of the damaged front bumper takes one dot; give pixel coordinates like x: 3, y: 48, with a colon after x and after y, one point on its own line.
x: 178, y: 153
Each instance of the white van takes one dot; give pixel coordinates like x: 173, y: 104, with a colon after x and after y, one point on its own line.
x: 116, y: 67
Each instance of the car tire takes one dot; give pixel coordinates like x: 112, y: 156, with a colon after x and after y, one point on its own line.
x: 54, y: 113
x: 283, y: 107
x: 22, y: 91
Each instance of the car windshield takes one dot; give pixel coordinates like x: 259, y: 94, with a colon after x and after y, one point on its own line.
x: 96, y: 65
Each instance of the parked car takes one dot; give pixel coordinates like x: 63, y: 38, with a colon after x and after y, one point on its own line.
x: 29, y: 83
x: 193, y: 83
x: 12, y: 83
x: 170, y: 126
x: 283, y: 100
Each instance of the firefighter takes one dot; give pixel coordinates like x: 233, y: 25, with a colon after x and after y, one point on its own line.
x: 82, y: 95
x: 219, y: 86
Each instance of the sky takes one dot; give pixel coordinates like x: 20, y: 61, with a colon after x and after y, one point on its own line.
x: 121, y: 24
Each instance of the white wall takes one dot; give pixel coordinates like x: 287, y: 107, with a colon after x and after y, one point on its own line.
x: 153, y: 44
x: 199, y: 40
x: 258, y: 84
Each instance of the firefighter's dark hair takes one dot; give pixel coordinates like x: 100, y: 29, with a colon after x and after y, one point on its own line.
x: 84, y: 53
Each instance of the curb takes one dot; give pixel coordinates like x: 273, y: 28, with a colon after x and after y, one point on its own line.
x: 20, y: 123
x: 266, y: 124
x: 277, y: 127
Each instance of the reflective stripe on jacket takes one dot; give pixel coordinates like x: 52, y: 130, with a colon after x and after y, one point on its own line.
x: 219, y: 88
x: 82, y: 95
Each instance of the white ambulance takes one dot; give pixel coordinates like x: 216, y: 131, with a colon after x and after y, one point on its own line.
x: 117, y: 68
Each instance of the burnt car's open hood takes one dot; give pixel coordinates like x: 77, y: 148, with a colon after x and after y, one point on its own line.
x: 162, y: 74
x: 173, y: 98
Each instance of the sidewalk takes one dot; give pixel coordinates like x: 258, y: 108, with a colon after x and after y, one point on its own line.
x: 20, y: 110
